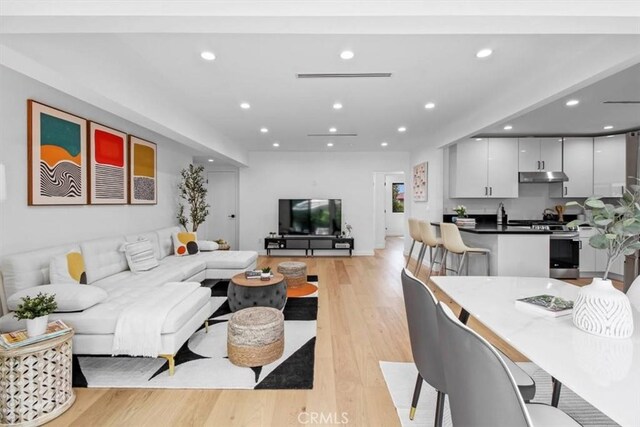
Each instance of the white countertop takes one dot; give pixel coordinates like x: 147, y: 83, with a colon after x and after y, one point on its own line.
x: 603, y: 371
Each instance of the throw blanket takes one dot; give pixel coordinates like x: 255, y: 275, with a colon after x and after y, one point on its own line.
x: 139, y: 327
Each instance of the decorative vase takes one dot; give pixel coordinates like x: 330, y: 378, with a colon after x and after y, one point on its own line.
x: 37, y: 326
x: 602, y: 310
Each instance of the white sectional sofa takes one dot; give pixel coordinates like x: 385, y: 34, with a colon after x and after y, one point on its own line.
x: 106, y: 267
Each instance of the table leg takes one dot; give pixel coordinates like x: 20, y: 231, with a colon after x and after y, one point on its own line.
x: 555, y: 395
x: 464, y: 316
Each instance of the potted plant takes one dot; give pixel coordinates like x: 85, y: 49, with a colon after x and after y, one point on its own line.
x: 266, y: 273
x: 600, y: 308
x: 193, y: 192
x: 35, y: 310
x: 461, y: 211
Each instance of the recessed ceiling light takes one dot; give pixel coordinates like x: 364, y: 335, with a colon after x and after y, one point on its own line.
x: 402, y: 129
x: 210, y: 160
x: 245, y: 106
x: 275, y: 144
x: 610, y: 136
x: 384, y: 144
x: 330, y: 144
x: 337, y: 106
x: 264, y: 130
x: 572, y: 102
x: 478, y: 139
x: 333, y: 130
x: 508, y: 127
x: 607, y: 127
x: 208, y: 56
x: 429, y: 105
x: 346, y: 54
x: 483, y: 53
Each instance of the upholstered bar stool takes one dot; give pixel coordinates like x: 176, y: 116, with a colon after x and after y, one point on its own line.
x: 414, y: 232
x: 434, y: 243
x: 452, y: 242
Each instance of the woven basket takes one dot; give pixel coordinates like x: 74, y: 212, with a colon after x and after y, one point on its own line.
x: 255, y: 336
x: 295, y: 273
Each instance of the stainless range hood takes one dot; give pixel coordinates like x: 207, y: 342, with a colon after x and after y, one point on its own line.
x: 542, y: 177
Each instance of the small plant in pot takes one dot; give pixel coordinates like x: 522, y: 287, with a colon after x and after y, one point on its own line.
x: 36, y: 310
x: 266, y: 273
x: 601, y: 309
x: 461, y: 211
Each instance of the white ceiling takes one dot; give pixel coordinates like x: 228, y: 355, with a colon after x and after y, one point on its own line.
x: 160, y: 81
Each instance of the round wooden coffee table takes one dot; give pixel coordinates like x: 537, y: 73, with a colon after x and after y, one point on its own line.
x: 244, y: 293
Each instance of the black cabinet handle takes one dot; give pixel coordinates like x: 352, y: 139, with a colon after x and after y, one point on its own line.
x: 232, y: 216
x: 543, y: 165
x: 565, y: 191
x: 538, y: 164
x: 491, y: 191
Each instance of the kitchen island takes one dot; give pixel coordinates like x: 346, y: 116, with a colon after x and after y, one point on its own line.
x: 515, y: 250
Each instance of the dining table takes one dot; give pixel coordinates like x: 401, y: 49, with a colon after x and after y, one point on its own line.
x: 603, y: 371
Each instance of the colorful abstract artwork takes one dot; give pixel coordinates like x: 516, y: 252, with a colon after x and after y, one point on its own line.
x: 419, y: 184
x: 143, y: 172
x: 108, y: 165
x: 57, y: 159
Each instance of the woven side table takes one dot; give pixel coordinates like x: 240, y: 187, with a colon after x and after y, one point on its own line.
x: 295, y: 273
x: 35, y: 382
x: 255, y: 336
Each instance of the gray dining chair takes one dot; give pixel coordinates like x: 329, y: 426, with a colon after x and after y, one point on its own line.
x: 420, y: 305
x: 482, y: 391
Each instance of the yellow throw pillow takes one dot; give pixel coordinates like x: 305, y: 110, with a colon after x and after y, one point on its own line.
x: 185, y: 244
x: 67, y: 268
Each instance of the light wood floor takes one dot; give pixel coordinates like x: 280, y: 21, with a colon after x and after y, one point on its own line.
x: 361, y: 320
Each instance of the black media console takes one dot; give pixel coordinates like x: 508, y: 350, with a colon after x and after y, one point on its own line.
x: 308, y: 243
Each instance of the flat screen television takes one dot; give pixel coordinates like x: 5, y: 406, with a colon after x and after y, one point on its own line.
x: 315, y: 217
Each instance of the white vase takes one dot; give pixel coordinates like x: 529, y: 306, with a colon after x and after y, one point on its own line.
x: 37, y: 326
x: 602, y: 310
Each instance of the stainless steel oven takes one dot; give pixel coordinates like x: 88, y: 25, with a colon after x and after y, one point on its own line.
x: 564, y: 260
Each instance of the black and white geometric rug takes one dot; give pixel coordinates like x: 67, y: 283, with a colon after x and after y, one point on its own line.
x: 202, y: 361
x: 401, y: 379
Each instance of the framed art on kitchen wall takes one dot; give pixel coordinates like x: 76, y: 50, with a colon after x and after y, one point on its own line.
x: 143, y: 179
x: 108, y: 165
x: 57, y: 156
x: 419, y: 182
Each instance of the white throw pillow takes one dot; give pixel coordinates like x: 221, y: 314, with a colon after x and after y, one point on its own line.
x: 207, y: 245
x: 140, y: 255
x: 68, y: 298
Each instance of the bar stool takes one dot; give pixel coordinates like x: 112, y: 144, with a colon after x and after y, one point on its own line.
x: 429, y: 240
x: 452, y: 242
x: 414, y: 232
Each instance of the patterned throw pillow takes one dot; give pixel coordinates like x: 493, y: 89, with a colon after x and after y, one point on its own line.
x: 67, y: 268
x: 140, y: 256
x: 185, y: 244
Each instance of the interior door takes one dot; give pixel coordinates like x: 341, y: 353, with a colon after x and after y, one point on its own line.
x: 394, y: 205
x: 222, y: 195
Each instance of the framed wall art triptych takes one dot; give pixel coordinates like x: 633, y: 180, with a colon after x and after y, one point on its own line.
x: 143, y: 182
x: 57, y: 156
x: 107, y: 165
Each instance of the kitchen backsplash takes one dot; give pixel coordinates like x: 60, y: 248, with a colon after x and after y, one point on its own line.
x: 532, y: 201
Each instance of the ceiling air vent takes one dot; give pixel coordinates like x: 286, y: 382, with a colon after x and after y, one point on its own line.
x: 340, y: 75
x: 621, y: 102
x: 332, y: 134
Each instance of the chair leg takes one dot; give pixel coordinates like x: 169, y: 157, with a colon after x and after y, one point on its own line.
x: 555, y: 394
x: 423, y: 250
x: 488, y: 264
x: 462, y: 260
x: 172, y: 363
x: 443, y: 263
x: 413, y: 242
x: 416, y: 396
x: 433, y: 263
x: 439, y: 409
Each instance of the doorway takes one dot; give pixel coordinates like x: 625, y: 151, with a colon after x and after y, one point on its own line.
x: 222, y: 196
x: 394, y: 204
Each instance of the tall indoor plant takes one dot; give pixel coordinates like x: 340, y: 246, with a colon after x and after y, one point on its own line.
x: 193, y: 193
x: 601, y: 309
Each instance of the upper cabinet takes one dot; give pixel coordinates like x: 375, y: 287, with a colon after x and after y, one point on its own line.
x: 486, y: 169
x: 539, y: 154
x: 577, y: 163
x: 609, y: 166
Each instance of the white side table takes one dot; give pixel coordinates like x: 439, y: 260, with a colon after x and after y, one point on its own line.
x: 35, y: 382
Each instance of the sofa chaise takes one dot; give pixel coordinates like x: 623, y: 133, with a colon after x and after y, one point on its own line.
x: 106, y: 267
